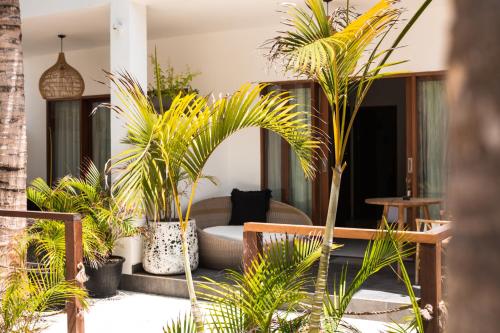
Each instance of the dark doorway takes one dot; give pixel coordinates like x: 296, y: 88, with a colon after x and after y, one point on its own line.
x: 372, y: 157
x: 375, y: 154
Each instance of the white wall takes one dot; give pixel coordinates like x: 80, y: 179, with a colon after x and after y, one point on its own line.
x: 226, y: 59
x: 90, y: 64
x: 229, y: 58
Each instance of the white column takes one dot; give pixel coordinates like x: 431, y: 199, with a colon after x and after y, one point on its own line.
x: 128, y: 52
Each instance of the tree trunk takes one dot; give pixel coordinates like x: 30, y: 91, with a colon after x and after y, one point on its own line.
x: 195, y: 308
x: 474, y: 91
x: 324, y: 262
x: 12, y: 130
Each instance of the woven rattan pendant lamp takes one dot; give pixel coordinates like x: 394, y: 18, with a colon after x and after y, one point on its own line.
x: 61, y: 81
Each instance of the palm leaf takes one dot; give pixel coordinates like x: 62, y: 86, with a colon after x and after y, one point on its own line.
x: 183, y: 324
x: 272, y: 289
x: 380, y: 253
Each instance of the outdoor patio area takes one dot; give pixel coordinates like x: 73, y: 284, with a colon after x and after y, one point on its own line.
x: 134, y: 312
x: 262, y: 166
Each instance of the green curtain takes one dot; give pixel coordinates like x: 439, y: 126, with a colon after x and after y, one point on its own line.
x: 433, y: 133
x: 65, y: 137
x: 101, y: 135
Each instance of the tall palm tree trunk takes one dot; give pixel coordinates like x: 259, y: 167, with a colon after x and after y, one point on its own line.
x: 12, y: 130
x: 324, y: 263
x: 474, y: 91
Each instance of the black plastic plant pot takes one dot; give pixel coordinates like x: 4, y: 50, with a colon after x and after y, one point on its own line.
x: 104, y: 280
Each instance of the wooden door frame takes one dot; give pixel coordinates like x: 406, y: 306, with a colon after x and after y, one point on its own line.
x: 321, y: 187
x: 85, y: 127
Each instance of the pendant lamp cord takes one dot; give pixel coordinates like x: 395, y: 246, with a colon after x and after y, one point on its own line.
x: 62, y: 38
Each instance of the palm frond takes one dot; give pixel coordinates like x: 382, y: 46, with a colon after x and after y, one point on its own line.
x: 31, y: 291
x: 272, y: 289
x: 183, y: 324
x: 180, y: 141
x: 380, y: 253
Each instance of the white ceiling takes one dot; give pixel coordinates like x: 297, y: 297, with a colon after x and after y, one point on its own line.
x: 86, y: 22
x: 85, y: 28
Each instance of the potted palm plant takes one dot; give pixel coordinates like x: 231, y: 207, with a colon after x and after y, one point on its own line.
x: 104, y: 223
x: 178, y: 141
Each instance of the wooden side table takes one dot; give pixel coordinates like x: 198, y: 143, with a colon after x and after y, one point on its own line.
x: 402, y: 205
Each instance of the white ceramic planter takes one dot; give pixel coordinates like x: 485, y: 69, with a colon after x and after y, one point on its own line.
x: 162, y: 251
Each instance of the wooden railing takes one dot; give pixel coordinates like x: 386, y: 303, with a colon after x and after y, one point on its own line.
x: 74, y: 257
x: 430, y: 254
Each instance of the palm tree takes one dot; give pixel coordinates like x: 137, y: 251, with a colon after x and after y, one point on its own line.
x: 12, y: 130
x: 474, y: 184
x: 329, y: 49
x: 167, y: 146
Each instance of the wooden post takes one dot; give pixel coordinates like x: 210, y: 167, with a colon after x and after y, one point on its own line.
x: 74, y: 256
x: 252, y: 246
x: 430, y: 283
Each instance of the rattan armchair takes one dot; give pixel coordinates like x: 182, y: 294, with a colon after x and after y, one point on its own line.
x: 221, y: 253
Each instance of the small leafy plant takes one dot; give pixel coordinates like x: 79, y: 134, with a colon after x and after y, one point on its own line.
x: 31, y: 291
x: 104, y: 221
x: 169, y: 84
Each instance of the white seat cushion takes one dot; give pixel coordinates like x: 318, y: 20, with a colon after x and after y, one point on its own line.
x: 235, y: 232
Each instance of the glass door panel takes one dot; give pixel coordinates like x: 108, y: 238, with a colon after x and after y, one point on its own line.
x: 432, y: 139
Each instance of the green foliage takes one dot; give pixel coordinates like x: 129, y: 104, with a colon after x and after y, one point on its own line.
x: 267, y: 297
x: 330, y: 48
x: 104, y: 222
x: 176, y: 144
x: 31, y: 291
x: 272, y: 295
x: 382, y: 252
x: 167, y: 146
x: 181, y: 325
x: 169, y: 84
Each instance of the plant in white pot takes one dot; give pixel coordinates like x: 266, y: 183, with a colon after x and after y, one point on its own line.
x: 168, y: 144
x: 162, y: 249
x: 148, y: 182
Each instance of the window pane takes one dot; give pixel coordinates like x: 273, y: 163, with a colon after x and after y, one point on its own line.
x: 65, y: 139
x: 298, y: 188
x: 101, y: 136
x: 273, y: 150
x: 433, y: 128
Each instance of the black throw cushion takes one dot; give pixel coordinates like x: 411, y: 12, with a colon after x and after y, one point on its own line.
x: 249, y: 206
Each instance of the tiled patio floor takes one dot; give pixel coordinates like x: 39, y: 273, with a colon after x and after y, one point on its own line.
x: 130, y: 312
